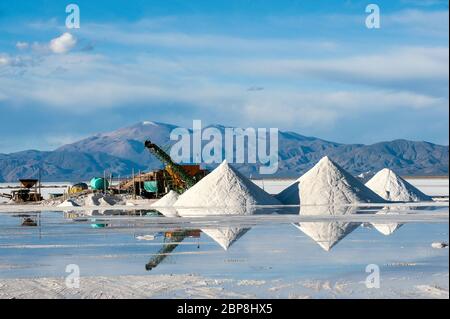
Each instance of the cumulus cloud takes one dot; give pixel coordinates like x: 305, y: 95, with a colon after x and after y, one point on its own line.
x: 63, y: 43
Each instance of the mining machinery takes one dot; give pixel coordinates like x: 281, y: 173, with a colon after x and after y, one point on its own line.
x: 177, y: 177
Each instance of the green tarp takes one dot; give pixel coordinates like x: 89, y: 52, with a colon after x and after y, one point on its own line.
x: 151, y: 186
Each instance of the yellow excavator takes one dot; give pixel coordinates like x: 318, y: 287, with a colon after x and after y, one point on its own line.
x: 177, y: 177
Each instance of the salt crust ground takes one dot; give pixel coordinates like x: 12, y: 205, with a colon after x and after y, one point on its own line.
x: 193, y: 286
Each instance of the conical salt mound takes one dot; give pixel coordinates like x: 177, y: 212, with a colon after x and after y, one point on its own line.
x: 165, y: 204
x: 225, y: 187
x: 225, y: 237
x: 167, y: 200
x: 392, y: 187
x: 329, y: 184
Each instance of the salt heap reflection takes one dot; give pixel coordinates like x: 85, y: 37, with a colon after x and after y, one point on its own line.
x: 327, y: 234
x: 224, y: 236
x: 392, y: 211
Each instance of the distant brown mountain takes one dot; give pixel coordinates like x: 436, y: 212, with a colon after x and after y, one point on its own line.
x: 122, y: 150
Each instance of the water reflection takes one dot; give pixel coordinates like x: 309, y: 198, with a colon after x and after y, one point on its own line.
x: 226, y: 236
x: 327, y: 234
x: 387, y: 229
x: 171, y: 241
x: 170, y: 229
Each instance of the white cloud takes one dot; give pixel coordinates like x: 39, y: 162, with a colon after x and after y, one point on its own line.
x: 290, y: 108
x: 418, y: 22
x: 22, y: 45
x: 133, y: 35
x: 403, y: 64
x: 82, y: 81
x: 4, y: 59
x: 63, y: 43
x: 313, y: 90
x: 94, y: 82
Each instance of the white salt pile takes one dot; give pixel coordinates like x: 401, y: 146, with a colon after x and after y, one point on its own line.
x: 224, y: 187
x: 225, y: 237
x: 392, y: 187
x: 327, y: 183
x: 165, y: 204
x: 167, y: 200
x: 68, y: 203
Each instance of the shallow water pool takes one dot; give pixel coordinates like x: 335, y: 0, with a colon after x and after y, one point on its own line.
x: 265, y: 257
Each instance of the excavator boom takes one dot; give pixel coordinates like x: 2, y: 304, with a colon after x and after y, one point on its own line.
x: 172, y: 167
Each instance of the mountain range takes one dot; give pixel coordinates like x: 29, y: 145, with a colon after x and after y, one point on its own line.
x: 120, y: 151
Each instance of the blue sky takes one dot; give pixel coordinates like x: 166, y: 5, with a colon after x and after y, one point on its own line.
x: 307, y: 66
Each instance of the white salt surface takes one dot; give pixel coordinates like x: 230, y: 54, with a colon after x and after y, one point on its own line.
x: 190, y: 286
x: 394, y: 188
x: 224, y: 187
x: 327, y: 183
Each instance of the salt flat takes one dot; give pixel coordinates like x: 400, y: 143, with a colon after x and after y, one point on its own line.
x: 126, y: 254
x: 269, y: 259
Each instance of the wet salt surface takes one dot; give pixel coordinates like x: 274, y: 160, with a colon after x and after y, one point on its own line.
x: 250, y: 250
